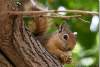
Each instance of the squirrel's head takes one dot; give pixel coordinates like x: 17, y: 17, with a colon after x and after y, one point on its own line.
x: 67, y: 37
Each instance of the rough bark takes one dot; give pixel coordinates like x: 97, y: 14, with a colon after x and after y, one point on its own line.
x: 18, y: 48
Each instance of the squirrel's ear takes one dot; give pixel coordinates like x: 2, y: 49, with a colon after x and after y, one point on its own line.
x: 64, y: 27
x: 57, y: 26
x: 61, y: 28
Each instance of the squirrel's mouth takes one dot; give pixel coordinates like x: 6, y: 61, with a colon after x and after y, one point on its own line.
x: 69, y: 49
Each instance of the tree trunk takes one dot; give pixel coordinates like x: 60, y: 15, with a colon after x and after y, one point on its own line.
x: 18, y: 48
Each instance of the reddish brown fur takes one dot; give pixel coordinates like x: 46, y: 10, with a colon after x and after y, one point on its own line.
x: 58, y: 47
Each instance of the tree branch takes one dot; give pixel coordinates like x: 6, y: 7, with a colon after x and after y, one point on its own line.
x: 17, y: 44
x: 63, y: 17
x: 52, y: 11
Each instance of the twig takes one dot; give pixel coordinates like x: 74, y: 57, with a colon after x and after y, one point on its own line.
x: 80, y: 12
x: 52, y: 11
x: 85, y: 21
x: 64, y: 17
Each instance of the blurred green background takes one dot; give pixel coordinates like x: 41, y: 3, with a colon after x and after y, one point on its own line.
x: 85, y: 53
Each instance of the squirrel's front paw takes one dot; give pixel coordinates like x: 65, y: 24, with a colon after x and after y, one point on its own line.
x: 66, y: 59
x: 69, y: 60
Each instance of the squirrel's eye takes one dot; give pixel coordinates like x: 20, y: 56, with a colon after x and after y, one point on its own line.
x: 65, y: 36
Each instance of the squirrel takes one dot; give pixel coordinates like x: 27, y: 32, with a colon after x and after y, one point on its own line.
x: 60, y: 43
